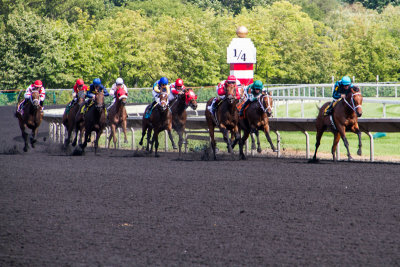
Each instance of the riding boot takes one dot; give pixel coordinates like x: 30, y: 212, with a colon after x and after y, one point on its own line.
x: 21, y: 106
x: 150, y: 109
x: 244, y: 107
x: 214, y: 106
x: 329, y: 109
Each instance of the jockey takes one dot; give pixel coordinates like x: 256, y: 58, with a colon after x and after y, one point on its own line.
x: 221, y: 91
x: 119, y: 83
x: 91, y: 93
x: 176, y: 88
x: 341, y: 87
x: 255, y: 92
x: 79, y: 86
x: 37, y: 85
x: 158, y: 87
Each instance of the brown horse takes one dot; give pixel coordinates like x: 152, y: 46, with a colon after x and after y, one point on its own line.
x: 117, y: 115
x: 95, y: 120
x: 178, y: 108
x: 31, y: 117
x: 256, y: 118
x: 344, y: 118
x: 69, y: 117
x: 228, y: 119
x: 160, y: 120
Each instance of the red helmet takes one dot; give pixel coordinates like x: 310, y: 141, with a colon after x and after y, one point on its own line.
x: 231, y: 78
x: 79, y: 82
x: 38, y: 83
x: 179, y: 82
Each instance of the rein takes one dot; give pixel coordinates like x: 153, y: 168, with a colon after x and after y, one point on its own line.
x: 352, y: 106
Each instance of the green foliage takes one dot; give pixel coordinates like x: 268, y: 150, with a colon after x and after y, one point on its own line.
x: 374, y: 4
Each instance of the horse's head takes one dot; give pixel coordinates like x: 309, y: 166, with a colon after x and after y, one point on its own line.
x: 267, y: 103
x: 35, y: 99
x: 230, y: 91
x: 99, y: 101
x: 354, y: 100
x: 81, y: 96
x: 121, y: 96
x: 163, y: 100
x: 191, y: 98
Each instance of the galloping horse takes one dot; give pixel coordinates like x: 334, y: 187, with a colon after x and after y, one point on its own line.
x: 95, y: 120
x: 256, y: 118
x: 31, y: 117
x: 228, y: 119
x: 178, y: 108
x: 160, y: 120
x: 69, y: 117
x: 117, y: 115
x: 344, y: 117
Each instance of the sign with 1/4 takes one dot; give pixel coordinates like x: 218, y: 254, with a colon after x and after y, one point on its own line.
x: 241, y: 50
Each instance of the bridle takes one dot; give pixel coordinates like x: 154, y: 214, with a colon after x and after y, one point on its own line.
x: 261, y: 100
x: 352, y: 105
x: 164, y: 101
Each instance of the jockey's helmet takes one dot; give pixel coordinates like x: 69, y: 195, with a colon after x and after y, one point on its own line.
x: 38, y: 83
x: 179, y: 82
x: 163, y: 81
x: 119, y: 81
x: 258, y: 85
x: 230, y: 79
x: 346, y: 80
x: 79, y: 82
x: 96, y: 82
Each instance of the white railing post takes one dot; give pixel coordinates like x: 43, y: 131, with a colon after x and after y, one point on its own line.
x: 315, y: 91
x: 371, y: 145
x: 384, y: 110
x: 119, y: 138
x: 287, y: 108
x: 338, y: 151
x: 278, y: 143
x: 302, y: 108
x: 105, y: 139
x: 377, y: 87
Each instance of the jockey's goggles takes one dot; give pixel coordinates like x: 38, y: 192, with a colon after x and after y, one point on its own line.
x: 231, y: 82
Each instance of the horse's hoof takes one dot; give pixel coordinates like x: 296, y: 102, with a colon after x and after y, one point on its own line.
x: 126, y: 141
x: 313, y: 160
x: 157, y: 155
x: 140, y: 143
x: 359, y: 152
x: 350, y: 158
x: 253, y: 147
x: 174, y: 147
x: 243, y: 157
x: 258, y: 150
x: 25, y: 149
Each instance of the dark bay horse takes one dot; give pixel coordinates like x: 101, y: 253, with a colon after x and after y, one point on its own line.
x: 68, y: 119
x: 256, y: 118
x: 178, y: 108
x: 117, y: 116
x: 228, y: 119
x: 30, y: 116
x: 160, y: 120
x: 95, y: 120
x: 344, y: 118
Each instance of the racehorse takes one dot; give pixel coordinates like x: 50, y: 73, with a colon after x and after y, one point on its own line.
x: 227, y: 117
x: 160, y: 120
x: 95, y: 119
x: 69, y: 117
x: 31, y: 117
x: 344, y: 118
x: 256, y: 118
x: 117, y: 115
x: 178, y: 108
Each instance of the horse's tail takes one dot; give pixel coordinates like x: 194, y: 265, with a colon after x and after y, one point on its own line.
x: 318, y: 107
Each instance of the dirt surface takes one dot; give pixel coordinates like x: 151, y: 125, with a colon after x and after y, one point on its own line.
x: 124, y: 209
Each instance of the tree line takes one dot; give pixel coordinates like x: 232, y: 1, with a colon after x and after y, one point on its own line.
x: 298, y: 41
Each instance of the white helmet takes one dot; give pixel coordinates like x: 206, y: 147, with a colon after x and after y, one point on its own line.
x: 119, y: 81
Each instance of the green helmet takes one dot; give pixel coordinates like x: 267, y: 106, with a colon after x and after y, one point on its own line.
x: 258, y: 85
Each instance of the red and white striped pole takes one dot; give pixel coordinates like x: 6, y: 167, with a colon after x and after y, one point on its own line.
x: 241, y: 55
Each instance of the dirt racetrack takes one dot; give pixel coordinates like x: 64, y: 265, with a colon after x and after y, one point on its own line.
x: 117, y: 209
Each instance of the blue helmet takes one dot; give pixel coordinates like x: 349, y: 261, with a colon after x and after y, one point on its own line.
x: 162, y: 81
x: 96, y: 82
x: 346, y: 80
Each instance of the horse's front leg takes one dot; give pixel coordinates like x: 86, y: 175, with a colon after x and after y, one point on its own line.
x: 266, y: 131
x: 24, y: 136
x: 172, y: 139
x: 124, y: 130
x: 180, y: 142
x: 225, y: 133
x: 155, y: 139
x: 357, y: 131
x: 33, y: 137
x: 96, y: 142
x: 112, y: 136
x: 238, y: 137
x: 86, y: 138
x: 149, y: 141
x: 336, y: 139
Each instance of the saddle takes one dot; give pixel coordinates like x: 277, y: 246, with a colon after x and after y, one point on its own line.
x: 333, y: 106
x: 85, y: 108
x: 239, y: 107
